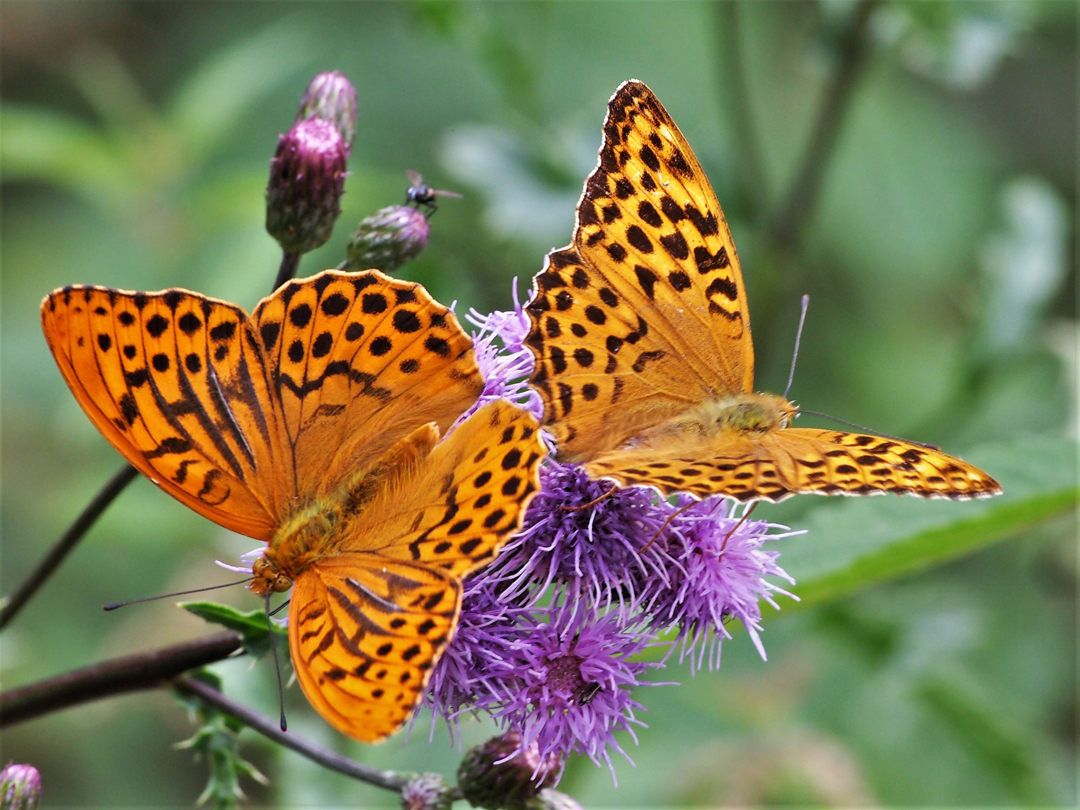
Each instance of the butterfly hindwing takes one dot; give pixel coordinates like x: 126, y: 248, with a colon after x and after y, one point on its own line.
x: 361, y: 360
x: 174, y: 382
x: 364, y: 632
x: 778, y: 464
x: 464, y: 499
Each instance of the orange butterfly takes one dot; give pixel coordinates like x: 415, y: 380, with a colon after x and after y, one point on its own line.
x: 315, y: 425
x: 641, y: 335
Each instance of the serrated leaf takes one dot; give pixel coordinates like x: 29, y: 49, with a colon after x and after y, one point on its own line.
x: 853, y: 544
x: 251, y: 625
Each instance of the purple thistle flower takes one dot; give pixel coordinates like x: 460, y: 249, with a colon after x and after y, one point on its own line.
x: 331, y: 97
x: 717, y: 573
x: 568, y: 687
x: 487, y: 632
x: 506, y: 370
x: 594, y: 553
x: 307, y: 179
x: 426, y: 791
x: 20, y: 787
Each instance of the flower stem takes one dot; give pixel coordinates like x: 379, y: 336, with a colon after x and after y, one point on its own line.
x: 68, y: 540
x: 389, y: 780
x: 804, y: 191
x: 129, y: 673
x: 289, y: 263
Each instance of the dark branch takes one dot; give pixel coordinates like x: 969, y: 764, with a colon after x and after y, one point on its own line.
x: 130, y: 673
x: 726, y: 17
x: 289, y: 263
x: 269, y: 728
x: 799, y: 202
x: 14, y: 603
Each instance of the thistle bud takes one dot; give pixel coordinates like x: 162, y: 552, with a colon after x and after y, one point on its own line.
x: 549, y: 799
x: 387, y: 239
x: 20, y: 787
x: 307, y: 179
x: 331, y: 97
x: 498, y: 774
x: 426, y: 791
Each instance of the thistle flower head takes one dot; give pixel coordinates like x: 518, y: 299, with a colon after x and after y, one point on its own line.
x: 589, y: 542
x: 387, y: 239
x: 331, y: 97
x: 568, y: 685
x: 505, y: 773
x: 307, y: 179
x: 426, y: 791
x: 718, y: 572
x: 505, y: 363
x: 20, y: 787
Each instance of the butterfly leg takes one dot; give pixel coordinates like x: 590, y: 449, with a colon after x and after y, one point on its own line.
x: 593, y: 502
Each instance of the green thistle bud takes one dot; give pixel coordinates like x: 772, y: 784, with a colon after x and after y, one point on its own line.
x: 387, y: 239
x: 488, y: 779
x: 331, y: 97
x: 426, y: 791
x: 20, y: 787
x: 307, y: 179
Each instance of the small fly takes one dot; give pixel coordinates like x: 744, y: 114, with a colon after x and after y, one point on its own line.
x: 422, y: 195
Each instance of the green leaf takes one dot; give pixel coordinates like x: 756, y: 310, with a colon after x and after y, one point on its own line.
x: 55, y: 148
x: 251, y: 625
x: 220, y: 93
x: 853, y: 544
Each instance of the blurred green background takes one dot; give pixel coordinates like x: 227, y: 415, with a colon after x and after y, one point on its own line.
x: 933, y: 659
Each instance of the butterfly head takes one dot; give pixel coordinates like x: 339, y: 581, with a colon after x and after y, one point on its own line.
x: 268, y: 577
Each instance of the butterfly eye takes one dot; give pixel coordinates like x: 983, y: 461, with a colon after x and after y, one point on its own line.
x: 281, y: 583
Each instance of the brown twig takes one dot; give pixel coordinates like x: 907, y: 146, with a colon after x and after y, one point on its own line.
x: 68, y: 540
x: 801, y: 197
x: 130, y: 673
x: 389, y: 780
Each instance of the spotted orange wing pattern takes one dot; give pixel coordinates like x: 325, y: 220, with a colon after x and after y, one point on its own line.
x: 779, y: 464
x: 645, y: 314
x: 176, y: 383
x: 642, y: 322
x: 368, y: 623
x: 360, y: 360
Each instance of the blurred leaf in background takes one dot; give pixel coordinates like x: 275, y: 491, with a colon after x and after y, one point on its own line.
x: 932, y: 663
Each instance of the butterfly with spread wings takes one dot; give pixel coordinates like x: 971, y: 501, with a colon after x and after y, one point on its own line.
x: 319, y: 425
x: 641, y: 336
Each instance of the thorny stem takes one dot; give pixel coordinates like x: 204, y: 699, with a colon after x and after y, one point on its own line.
x: 129, y: 673
x: 68, y: 540
x: 289, y: 263
x: 798, y: 204
x: 269, y: 728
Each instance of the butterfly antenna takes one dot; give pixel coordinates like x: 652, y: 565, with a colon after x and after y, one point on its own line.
x: 116, y: 605
x: 798, y: 337
x: 869, y: 430
x: 277, y: 666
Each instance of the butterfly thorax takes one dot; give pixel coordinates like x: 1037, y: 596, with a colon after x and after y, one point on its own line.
x: 300, y: 542
x: 741, y: 413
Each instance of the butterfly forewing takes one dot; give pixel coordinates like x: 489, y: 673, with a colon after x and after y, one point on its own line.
x: 361, y: 360
x: 174, y: 382
x: 645, y: 313
x: 364, y: 632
